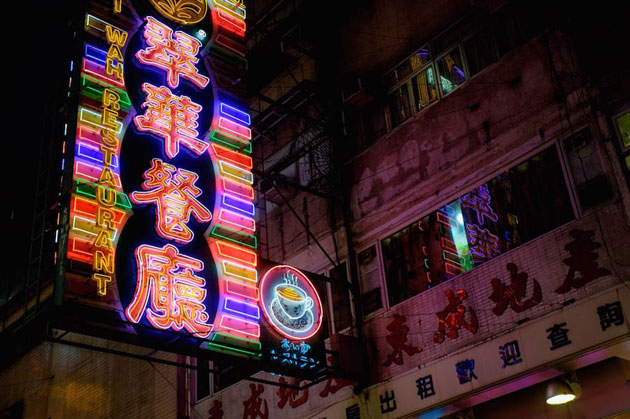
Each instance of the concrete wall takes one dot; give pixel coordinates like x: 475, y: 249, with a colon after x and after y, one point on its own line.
x: 60, y: 381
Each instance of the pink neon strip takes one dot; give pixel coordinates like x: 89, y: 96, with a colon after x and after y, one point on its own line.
x: 245, y: 191
x: 230, y: 44
x: 238, y: 325
x: 231, y: 23
x: 92, y: 173
x: 98, y: 71
x: 237, y: 220
x: 236, y: 129
x: 88, y: 134
x: 238, y: 288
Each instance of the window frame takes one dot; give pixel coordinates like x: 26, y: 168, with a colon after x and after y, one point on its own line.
x: 412, y: 218
x: 459, y: 45
x: 381, y: 278
x: 193, y: 381
x: 329, y: 295
x: 568, y: 174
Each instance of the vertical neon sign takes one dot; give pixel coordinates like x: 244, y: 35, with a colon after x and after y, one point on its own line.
x: 163, y: 163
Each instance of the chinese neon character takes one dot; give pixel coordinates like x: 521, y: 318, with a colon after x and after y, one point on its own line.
x: 333, y: 385
x: 175, y: 55
x: 171, y: 117
x: 483, y: 244
x: 166, y: 279
x: 174, y: 193
x: 252, y: 407
x: 388, y: 401
x: 216, y: 411
x: 513, y: 295
x: 610, y: 314
x: 425, y: 387
x: 465, y: 371
x: 479, y: 201
x: 583, y: 259
x: 291, y: 395
x: 510, y: 354
x: 558, y: 336
x: 397, y: 339
x: 451, y: 319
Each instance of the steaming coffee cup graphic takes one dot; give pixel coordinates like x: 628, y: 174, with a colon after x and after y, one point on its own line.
x: 293, y: 300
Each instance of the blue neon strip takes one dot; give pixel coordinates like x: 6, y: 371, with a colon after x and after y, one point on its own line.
x: 236, y: 114
x: 95, y: 54
x: 238, y: 205
x: 242, y: 308
x: 93, y: 154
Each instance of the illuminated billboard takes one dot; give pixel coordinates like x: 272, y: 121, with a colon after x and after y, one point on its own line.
x: 160, y: 238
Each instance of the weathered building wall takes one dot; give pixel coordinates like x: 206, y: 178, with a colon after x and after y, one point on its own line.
x: 60, y: 381
x: 487, y: 125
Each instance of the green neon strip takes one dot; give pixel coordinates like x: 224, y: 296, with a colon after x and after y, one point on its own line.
x: 230, y: 141
x: 93, y: 88
x: 227, y: 55
x: 88, y: 189
x: 221, y: 338
x: 232, y: 351
x: 233, y: 236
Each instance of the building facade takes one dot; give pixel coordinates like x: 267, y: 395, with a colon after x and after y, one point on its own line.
x: 455, y: 176
x: 479, y: 154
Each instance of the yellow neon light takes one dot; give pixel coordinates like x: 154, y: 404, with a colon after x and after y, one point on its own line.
x: 94, y: 118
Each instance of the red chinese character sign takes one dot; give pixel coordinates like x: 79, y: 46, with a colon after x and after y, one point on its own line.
x: 293, y: 315
x: 162, y: 210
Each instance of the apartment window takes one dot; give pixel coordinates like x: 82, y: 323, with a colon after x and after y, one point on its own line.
x: 518, y: 205
x: 374, y: 122
x: 399, y: 105
x: 623, y: 127
x: 370, y: 281
x: 480, y: 52
x: 342, y: 312
x: 451, y: 71
x: 424, y: 89
x: 586, y: 168
x: 203, y: 379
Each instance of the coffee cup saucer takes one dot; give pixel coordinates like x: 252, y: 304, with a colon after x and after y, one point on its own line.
x: 301, y: 325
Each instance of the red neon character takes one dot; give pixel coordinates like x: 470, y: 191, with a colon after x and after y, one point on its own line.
x: 291, y: 394
x: 483, y: 244
x: 479, y: 201
x: 174, y: 193
x: 176, y: 55
x: 216, y: 411
x: 513, y: 295
x: 397, y: 339
x: 252, y: 407
x: 166, y: 278
x: 171, y: 117
x: 452, y: 318
x: 583, y: 259
x: 333, y: 385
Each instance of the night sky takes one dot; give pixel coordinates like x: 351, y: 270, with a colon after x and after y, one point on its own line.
x: 36, y: 57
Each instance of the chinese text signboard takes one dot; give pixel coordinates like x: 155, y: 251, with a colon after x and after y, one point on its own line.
x: 292, y: 315
x: 162, y: 217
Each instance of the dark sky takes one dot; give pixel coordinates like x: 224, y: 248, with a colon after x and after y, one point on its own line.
x: 36, y: 48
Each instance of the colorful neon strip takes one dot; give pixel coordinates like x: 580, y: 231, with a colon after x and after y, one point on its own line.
x: 94, y: 118
x: 237, y: 220
x: 231, y: 141
x: 240, y: 326
x: 92, y: 153
x: 242, y: 308
x: 235, y: 128
x: 98, y: 71
x: 234, y: 113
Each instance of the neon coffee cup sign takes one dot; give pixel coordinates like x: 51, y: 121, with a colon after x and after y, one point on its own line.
x: 290, y: 303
